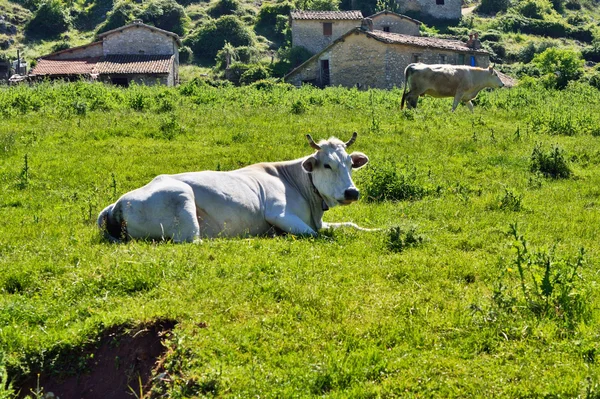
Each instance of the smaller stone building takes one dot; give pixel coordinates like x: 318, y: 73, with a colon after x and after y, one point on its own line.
x: 377, y: 59
x: 136, y: 52
x: 388, y: 21
x: 315, y: 30
x: 431, y: 9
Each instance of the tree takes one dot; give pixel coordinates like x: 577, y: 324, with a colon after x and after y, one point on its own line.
x: 493, y: 6
x: 165, y: 14
x: 51, y: 19
x: 211, y: 37
x: 559, y: 65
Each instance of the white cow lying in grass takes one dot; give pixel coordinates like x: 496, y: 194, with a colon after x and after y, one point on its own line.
x: 256, y: 200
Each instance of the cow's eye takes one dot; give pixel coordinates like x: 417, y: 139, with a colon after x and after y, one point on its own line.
x: 326, y: 166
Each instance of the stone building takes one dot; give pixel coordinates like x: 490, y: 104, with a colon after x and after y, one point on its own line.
x: 388, y: 21
x: 431, y: 9
x: 377, y: 59
x: 137, y: 53
x: 315, y: 30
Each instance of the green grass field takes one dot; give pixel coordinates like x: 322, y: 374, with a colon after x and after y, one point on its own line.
x: 477, y: 286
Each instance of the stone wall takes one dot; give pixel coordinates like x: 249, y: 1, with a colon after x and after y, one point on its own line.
x: 366, y: 62
x: 139, y: 40
x: 309, y: 33
x: 451, y: 9
x: 396, y: 24
x: 89, y: 51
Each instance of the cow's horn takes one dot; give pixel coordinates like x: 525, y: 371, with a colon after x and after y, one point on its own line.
x: 352, y: 140
x: 312, y: 142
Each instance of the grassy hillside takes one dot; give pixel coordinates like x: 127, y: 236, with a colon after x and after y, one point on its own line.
x: 483, y: 283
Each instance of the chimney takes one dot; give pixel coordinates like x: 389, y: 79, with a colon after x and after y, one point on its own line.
x: 473, y: 41
x: 366, y: 24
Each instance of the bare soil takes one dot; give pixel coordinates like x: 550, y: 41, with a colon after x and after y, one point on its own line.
x: 124, y: 357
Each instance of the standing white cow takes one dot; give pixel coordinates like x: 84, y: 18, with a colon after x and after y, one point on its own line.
x: 256, y: 200
x: 459, y: 81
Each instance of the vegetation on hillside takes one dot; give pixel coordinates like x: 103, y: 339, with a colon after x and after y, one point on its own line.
x: 485, y: 272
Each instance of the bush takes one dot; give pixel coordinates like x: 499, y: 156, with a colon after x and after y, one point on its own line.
x: 573, y: 5
x: 385, y: 183
x: 491, y: 36
x: 242, y: 54
x: 254, y: 74
x: 518, y: 23
x: 562, y: 64
x: 186, y: 55
x: 551, y: 163
x: 594, y: 80
x: 212, y: 36
x: 583, y: 34
x: 591, y: 53
x: 272, y: 19
x: 223, y: 7
x: 493, y: 6
x: 398, y: 240
x: 165, y: 14
x: 50, y: 20
x: 123, y: 13
x: 535, y: 9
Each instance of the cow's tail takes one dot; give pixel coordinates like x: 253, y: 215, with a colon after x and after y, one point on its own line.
x: 112, y: 224
x: 407, y: 73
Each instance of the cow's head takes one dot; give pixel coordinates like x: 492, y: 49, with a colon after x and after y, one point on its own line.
x: 331, y: 169
x: 495, y: 80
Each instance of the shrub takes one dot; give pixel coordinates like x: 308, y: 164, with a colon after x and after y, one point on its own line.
x: 122, y: 14
x: 583, y: 34
x: 551, y: 163
x: 186, y: 55
x: 243, y: 54
x: 551, y: 288
x: 60, y: 46
x: 272, y: 19
x: 519, y: 23
x: 223, y: 7
x: 165, y: 14
x: 254, y: 73
x: 385, y: 183
x: 50, y: 20
x: 535, y: 9
x: 491, y: 36
x: 398, y: 240
x: 573, y: 5
x: 562, y: 65
x: 212, y: 36
x: 594, y: 80
x: 493, y: 6
x: 591, y: 53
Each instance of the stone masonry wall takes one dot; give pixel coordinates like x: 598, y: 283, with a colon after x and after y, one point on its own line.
x: 139, y: 40
x: 86, y: 52
x: 451, y: 9
x: 358, y: 61
x: 365, y: 62
x: 396, y: 24
x: 309, y: 33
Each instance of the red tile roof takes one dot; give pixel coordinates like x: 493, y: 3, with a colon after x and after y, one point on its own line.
x: 65, y: 67
x: 327, y: 15
x: 135, y: 64
x: 111, y: 64
x: 420, y: 41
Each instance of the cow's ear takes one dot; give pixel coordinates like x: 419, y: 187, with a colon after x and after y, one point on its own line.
x: 309, y: 164
x: 359, y: 160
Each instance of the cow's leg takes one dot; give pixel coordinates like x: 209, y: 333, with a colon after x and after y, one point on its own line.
x: 470, y: 105
x: 457, y: 98
x: 291, y: 224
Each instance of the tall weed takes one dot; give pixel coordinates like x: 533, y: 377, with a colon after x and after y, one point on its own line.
x: 387, y: 183
x: 552, y: 163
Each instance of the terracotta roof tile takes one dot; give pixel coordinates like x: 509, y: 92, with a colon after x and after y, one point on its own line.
x: 111, y: 64
x: 420, y: 41
x: 135, y: 64
x: 65, y: 67
x: 327, y: 15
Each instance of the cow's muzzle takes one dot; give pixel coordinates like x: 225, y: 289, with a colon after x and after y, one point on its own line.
x: 351, y: 194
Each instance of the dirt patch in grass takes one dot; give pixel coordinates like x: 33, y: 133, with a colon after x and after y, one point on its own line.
x: 114, y: 367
